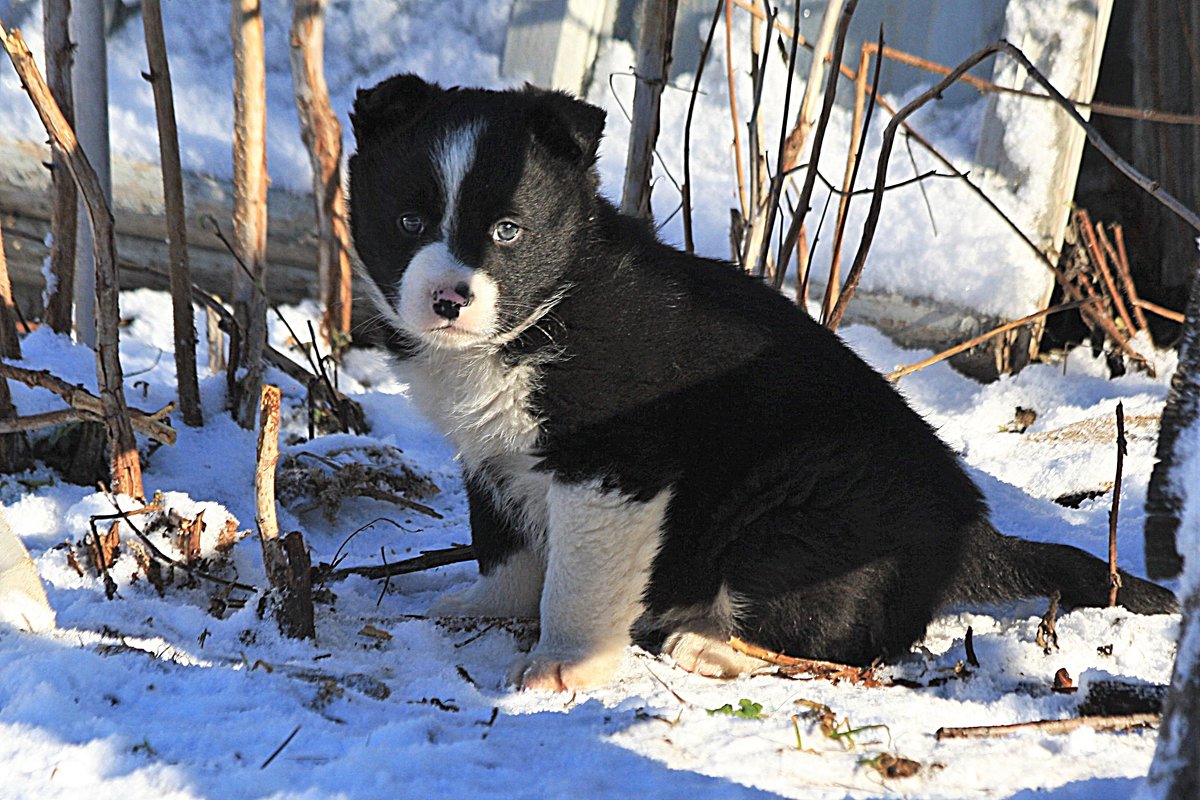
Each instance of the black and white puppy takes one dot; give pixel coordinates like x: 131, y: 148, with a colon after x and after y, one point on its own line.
x: 656, y: 447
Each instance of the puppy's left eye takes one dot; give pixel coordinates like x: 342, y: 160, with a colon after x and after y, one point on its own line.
x: 505, y: 231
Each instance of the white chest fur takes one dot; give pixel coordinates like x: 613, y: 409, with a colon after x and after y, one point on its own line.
x: 483, y: 406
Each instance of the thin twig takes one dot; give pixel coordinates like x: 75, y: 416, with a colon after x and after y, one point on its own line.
x: 1115, y: 723
x: 821, y: 669
x: 789, y: 241
x: 1092, y: 245
x: 967, y: 345
x: 688, y: 242
x: 1114, y: 577
x: 430, y: 559
x: 733, y: 112
x: 279, y: 749
x: 864, y: 109
x: 87, y: 403
x: 1155, y: 308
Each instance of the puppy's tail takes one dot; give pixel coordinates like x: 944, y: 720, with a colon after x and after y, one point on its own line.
x: 999, y: 567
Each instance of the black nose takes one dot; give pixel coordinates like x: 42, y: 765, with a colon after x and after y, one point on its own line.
x: 448, y: 302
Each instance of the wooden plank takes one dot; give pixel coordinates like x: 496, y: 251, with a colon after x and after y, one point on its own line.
x: 141, y: 232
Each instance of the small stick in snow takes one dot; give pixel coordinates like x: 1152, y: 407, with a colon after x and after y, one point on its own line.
x: 430, y: 559
x: 983, y: 337
x: 1118, y: 723
x: 1047, y: 635
x: 822, y: 669
x: 279, y: 749
x: 286, y: 561
x: 1114, y: 577
x: 970, y: 647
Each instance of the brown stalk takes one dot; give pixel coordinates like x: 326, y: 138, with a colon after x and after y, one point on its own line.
x: 173, y: 205
x: 430, y: 559
x: 1122, y: 261
x: 1114, y: 578
x: 653, y: 66
x: 733, y: 110
x: 286, y: 561
x: 14, y: 447
x: 1155, y: 308
x: 810, y: 175
x: 853, y: 159
x: 862, y: 117
x: 1084, y: 220
x: 689, y: 242
x: 249, y: 206
x: 983, y: 337
x: 764, y: 194
x: 822, y: 669
x: 322, y: 134
x: 125, y: 466
x: 87, y: 404
x: 64, y: 205
x: 10, y: 342
x: 1115, y: 723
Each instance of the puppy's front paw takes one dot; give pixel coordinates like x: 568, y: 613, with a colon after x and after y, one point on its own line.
x: 555, y: 672
x: 458, y: 604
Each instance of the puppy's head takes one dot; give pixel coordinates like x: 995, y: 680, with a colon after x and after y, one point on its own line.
x: 468, y: 206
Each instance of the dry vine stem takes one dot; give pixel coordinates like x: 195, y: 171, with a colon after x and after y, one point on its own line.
x: 689, y: 242
x: 125, y: 466
x: 653, y: 65
x: 64, y: 207
x: 322, y: 134
x: 810, y: 176
x: 249, y: 206
x: 85, y: 405
x: 172, y: 178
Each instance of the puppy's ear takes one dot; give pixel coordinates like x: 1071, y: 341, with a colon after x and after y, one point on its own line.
x: 393, y: 103
x: 567, y: 127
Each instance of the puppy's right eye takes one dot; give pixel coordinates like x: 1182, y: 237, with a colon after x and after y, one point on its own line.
x: 412, y: 224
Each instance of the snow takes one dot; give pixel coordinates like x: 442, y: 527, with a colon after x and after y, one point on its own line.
x: 152, y: 696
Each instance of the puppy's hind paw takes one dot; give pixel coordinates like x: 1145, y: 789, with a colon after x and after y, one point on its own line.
x: 708, y: 656
x: 548, y: 672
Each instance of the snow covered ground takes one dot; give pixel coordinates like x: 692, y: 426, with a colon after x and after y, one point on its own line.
x: 150, y: 695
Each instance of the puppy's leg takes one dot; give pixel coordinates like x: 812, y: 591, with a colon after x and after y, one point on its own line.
x: 600, y: 549
x: 511, y: 588
x: 511, y: 566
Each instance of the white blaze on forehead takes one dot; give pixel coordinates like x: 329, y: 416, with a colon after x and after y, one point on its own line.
x: 454, y: 156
